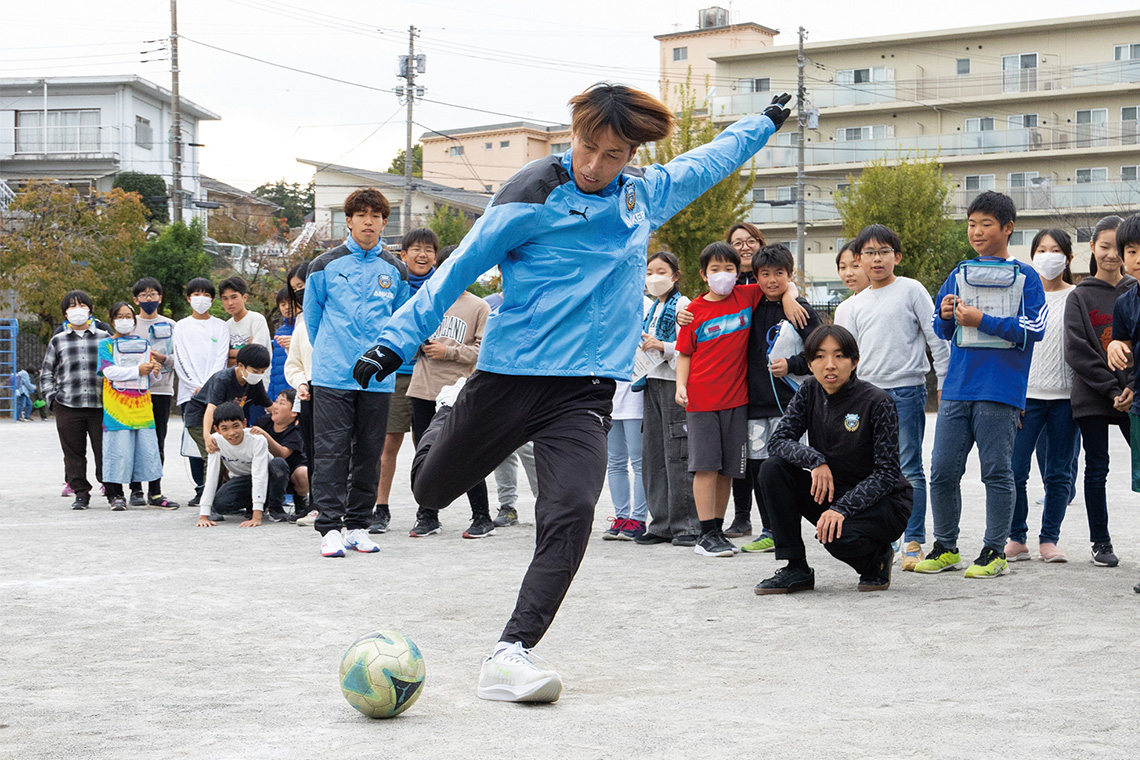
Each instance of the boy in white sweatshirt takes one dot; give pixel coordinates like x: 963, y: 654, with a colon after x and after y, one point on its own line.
x: 257, y: 480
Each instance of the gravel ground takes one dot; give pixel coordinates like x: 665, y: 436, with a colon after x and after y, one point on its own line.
x: 135, y: 635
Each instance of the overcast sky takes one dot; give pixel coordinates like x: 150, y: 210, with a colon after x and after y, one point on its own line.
x: 521, y: 59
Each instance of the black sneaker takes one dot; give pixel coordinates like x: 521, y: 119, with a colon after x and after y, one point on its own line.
x: 1102, y: 556
x: 649, y: 539
x: 427, y: 524
x: 82, y: 501
x: 481, y: 527
x: 195, y: 501
x: 878, y: 577
x: 137, y: 499
x: 633, y: 530
x: 617, y: 524
x: 787, y: 580
x: 739, y: 528
x: 215, y: 517
x: 713, y: 545
x: 381, y: 519
x: 158, y: 501
x: 685, y: 539
x: 277, y: 515
x: 507, y: 516
x: 1136, y: 588
x: 118, y: 504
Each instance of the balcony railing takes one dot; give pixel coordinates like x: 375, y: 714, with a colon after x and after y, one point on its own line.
x: 1014, y: 140
x: 1041, y: 79
x: 79, y: 139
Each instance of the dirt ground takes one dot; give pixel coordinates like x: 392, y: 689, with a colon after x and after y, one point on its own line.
x: 134, y: 634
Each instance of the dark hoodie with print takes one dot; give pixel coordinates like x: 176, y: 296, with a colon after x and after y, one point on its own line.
x: 1088, y: 331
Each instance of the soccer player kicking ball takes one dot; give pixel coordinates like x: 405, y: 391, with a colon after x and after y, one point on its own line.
x: 569, y: 233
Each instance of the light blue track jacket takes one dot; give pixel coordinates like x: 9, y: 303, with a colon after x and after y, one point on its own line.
x: 573, y: 263
x: 350, y: 294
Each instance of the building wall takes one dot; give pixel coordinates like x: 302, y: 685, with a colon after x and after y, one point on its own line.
x: 698, y: 45
x: 482, y: 168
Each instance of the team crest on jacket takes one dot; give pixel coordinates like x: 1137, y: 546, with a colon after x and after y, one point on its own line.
x: 851, y: 423
x: 630, y: 196
x: 385, y: 281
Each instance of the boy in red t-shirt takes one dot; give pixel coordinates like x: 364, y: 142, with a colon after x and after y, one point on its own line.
x: 712, y: 385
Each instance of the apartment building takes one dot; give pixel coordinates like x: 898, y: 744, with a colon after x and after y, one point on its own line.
x: 480, y: 159
x: 1047, y: 111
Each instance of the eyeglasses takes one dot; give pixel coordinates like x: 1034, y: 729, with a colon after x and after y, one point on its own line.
x: 881, y: 253
x: 746, y: 243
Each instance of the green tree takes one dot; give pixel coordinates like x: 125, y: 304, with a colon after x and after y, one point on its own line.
x: 911, y: 198
x: 174, y: 258
x: 397, y: 165
x: 449, y: 224
x: 704, y: 220
x: 60, y: 241
x: 296, y: 199
x: 151, y: 189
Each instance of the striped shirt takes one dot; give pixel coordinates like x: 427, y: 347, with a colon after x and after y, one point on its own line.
x: 70, y: 372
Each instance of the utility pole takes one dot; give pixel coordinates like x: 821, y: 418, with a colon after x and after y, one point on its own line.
x: 409, y: 74
x: 801, y: 118
x: 175, y: 120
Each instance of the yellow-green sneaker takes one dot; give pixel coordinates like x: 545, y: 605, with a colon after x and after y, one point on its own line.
x: 939, y: 559
x: 765, y: 543
x: 989, y: 564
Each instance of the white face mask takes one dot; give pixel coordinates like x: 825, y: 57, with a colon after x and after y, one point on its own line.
x: 201, y: 304
x: 658, y: 284
x: 78, y: 316
x: 722, y: 283
x: 253, y: 378
x: 1049, y: 265
x: 124, y: 326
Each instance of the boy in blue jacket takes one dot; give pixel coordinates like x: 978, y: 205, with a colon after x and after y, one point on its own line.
x: 984, y: 390
x: 569, y: 233
x: 350, y: 294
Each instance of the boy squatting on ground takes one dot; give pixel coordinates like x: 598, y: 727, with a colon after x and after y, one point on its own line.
x: 257, y: 480
x: 283, y: 434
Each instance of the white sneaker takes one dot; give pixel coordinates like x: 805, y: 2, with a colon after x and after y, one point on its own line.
x: 308, y: 520
x: 511, y: 676
x: 449, y: 393
x: 358, y: 539
x: 332, y: 545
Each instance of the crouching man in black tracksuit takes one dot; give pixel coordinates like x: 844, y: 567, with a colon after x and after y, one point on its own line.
x: 846, y: 481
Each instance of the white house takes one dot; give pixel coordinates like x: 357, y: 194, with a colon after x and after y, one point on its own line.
x: 84, y: 130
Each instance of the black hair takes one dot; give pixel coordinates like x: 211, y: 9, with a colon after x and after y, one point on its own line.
x: 719, y: 251
x: 418, y: 236
x: 300, y: 271
x: 880, y: 232
x: 289, y: 394
x: 998, y: 205
x: 444, y: 254
x: 672, y: 262
x: 775, y: 256
x: 282, y: 296
x: 146, y: 283
x: 1063, y: 241
x: 118, y: 305
x: 1128, y: 234
x: 200, y: 285
x: 847, y: 343
x: 234, y: 283
x: 1107, y: 224
x: 228, y: 411
x: 253, y: 356
x: 848, y: 246
x: 76, y: 296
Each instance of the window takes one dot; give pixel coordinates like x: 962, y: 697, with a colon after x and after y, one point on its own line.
x: 787, y: 138
x: 66, y: 132
x: 963, y: 66
x: 786, y: 193
x: 1022, y: 121
x: 1129, y: 173
x: 1084, y: 234
x: 681, y: 54
x: 981, y: 124
x: 1092, y: 127
x: 864, y: 76
x: 1019, y: 72
x: 1088, y: 176
x: 1130, y: 124
x: 1022, y: 237
x: 561, y: 147
x: 878, y: 132
x: 504, y: 143
x: 1126, y: 52
x: 980, y: 182
x: 144, y: 137
x: 487, y: 146
x: 841, y: 187
x: 1022, y: 179
x: 488, y: 188
x: 455, y: 150
x: 745, y: 86
x: 759, y: 195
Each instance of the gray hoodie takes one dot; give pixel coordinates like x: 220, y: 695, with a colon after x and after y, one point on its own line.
x: 1088, y: 331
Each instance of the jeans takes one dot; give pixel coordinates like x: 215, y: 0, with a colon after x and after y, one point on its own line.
x: 1094, y: 434
x: 623, y: 446
x: 910, y: 402
x: 1054, y: 419
x: 23, y: 407
x: 993, y: 427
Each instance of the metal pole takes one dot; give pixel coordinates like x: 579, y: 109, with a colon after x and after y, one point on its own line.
x: 406, y: 214
x: 801, y: 118
x: 44, y: 131
x: 175, y: 120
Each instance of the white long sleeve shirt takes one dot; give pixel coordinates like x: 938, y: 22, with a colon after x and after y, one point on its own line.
x: 250, y: 457
x: 299, y: 361
x: 201, y: 348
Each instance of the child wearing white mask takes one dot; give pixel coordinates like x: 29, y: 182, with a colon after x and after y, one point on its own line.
x: 130, y: 445
x: 1048, y: 408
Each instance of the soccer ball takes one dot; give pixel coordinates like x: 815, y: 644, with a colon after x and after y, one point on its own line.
x: 382, y: 674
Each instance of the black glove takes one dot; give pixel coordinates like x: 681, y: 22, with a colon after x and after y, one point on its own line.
x: 379, y: 361
x: 776, y: 112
